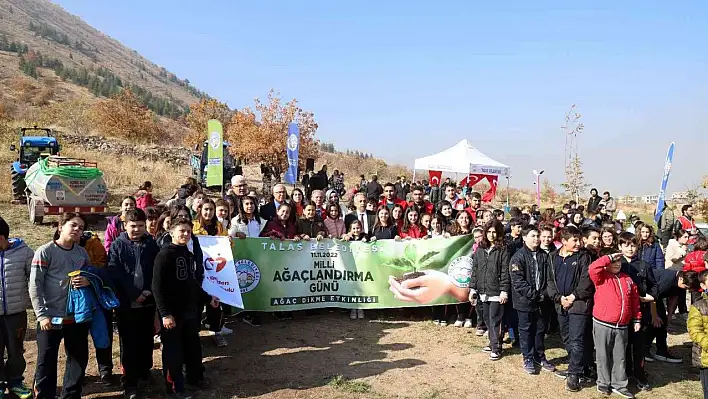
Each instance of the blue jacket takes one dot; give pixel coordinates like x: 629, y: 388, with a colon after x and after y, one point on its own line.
x: 653, y: 255
x: 86, y: 304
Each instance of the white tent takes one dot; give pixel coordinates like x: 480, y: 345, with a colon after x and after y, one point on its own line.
x: 462, y: 158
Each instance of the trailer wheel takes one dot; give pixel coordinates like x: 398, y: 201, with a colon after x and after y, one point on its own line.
x: 35, y: 215
x: 18, y: 186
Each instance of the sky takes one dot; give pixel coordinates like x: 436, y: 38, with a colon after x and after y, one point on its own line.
x: 406, y: 79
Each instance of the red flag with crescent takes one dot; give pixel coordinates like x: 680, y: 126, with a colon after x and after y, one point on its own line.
x: 471, y: 180
x: 489, y: 195
x: 435, y: 177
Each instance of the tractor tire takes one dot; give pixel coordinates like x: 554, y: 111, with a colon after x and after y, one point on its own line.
x: 18, y: 187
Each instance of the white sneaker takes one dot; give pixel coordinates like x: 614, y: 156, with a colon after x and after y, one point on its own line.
x: 352, y: 314
x: 226, y: 331
x: 360, y: 313
x: 459, y: 323
x: 468, y: 323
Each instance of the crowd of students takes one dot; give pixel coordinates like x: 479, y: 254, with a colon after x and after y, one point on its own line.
x: 578, y: 271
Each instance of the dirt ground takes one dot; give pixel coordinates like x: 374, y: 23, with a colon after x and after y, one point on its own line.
x: 389, y: 355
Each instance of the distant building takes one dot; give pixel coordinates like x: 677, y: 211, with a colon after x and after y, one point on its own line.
x: 650, y: 199
x: 627, y: 200
x: 680, y: 196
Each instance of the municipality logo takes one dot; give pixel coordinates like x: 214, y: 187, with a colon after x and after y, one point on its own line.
x: 214, y: 140
x: 460, y: 270
x: 248, y: 275
x: 292, y: 142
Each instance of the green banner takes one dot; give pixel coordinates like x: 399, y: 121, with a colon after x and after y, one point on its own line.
x: 215, y: 154
x: 285, y: 275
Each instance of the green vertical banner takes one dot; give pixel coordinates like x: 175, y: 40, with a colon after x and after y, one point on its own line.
x: 276, y: 275
x: 215, y: 154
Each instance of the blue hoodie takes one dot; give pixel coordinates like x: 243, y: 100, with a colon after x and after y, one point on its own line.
x: 15, y: 267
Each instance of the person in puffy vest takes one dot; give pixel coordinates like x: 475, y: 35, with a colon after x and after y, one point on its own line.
x: 16, y: 261
x: 616, y: 312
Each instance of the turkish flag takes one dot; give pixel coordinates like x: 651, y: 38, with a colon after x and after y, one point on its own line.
x: 489, y: 195
x: 471, y: 180
x: 435, y: 177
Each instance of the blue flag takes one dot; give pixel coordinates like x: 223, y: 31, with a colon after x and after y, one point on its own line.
x: 292, y: 146
x: 664, y: 182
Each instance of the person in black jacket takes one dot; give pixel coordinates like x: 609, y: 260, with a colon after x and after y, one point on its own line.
x: 571, y: 290
x: 176, y: 286
x: 529, y: 271
x: 384, y: 228
x: 593, y: 202
x: 642, y: 273
x: 310, y: 225
x: 130, y: 264
x: 668, y: 282
x: 269, y: 210
x: 514, y: 242
x: 489, y: 283
x: 591, y: 243
x: 373, y: 188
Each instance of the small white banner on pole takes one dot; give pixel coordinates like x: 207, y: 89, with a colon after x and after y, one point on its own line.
x: 220, y: 278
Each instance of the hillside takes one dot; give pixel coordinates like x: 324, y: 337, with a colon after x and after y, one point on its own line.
x: 37, y: 35
x: 54, y: 67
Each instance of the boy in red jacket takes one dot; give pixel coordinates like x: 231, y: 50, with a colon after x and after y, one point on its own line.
x: 616, y: 307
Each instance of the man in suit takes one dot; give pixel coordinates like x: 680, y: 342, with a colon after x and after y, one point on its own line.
x: 268, y: 211
x: 367, y: 218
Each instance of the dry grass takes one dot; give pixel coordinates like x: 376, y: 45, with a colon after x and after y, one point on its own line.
x: 353, y: 167
x: 123, y: 175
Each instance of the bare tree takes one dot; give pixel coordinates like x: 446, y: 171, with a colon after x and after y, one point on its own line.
x: 575, y: 181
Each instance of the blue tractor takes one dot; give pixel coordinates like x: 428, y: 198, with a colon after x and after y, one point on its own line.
x: 32, y: 148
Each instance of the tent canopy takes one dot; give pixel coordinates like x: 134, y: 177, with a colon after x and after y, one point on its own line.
x: 462, y: 158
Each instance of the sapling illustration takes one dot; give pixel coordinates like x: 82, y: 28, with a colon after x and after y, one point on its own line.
x: 411, y: 262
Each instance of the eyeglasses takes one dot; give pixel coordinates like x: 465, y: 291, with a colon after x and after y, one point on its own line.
x: 241, y: 185
x: 278, y: 192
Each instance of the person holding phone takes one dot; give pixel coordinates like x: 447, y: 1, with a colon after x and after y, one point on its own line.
x: 48, y: 289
